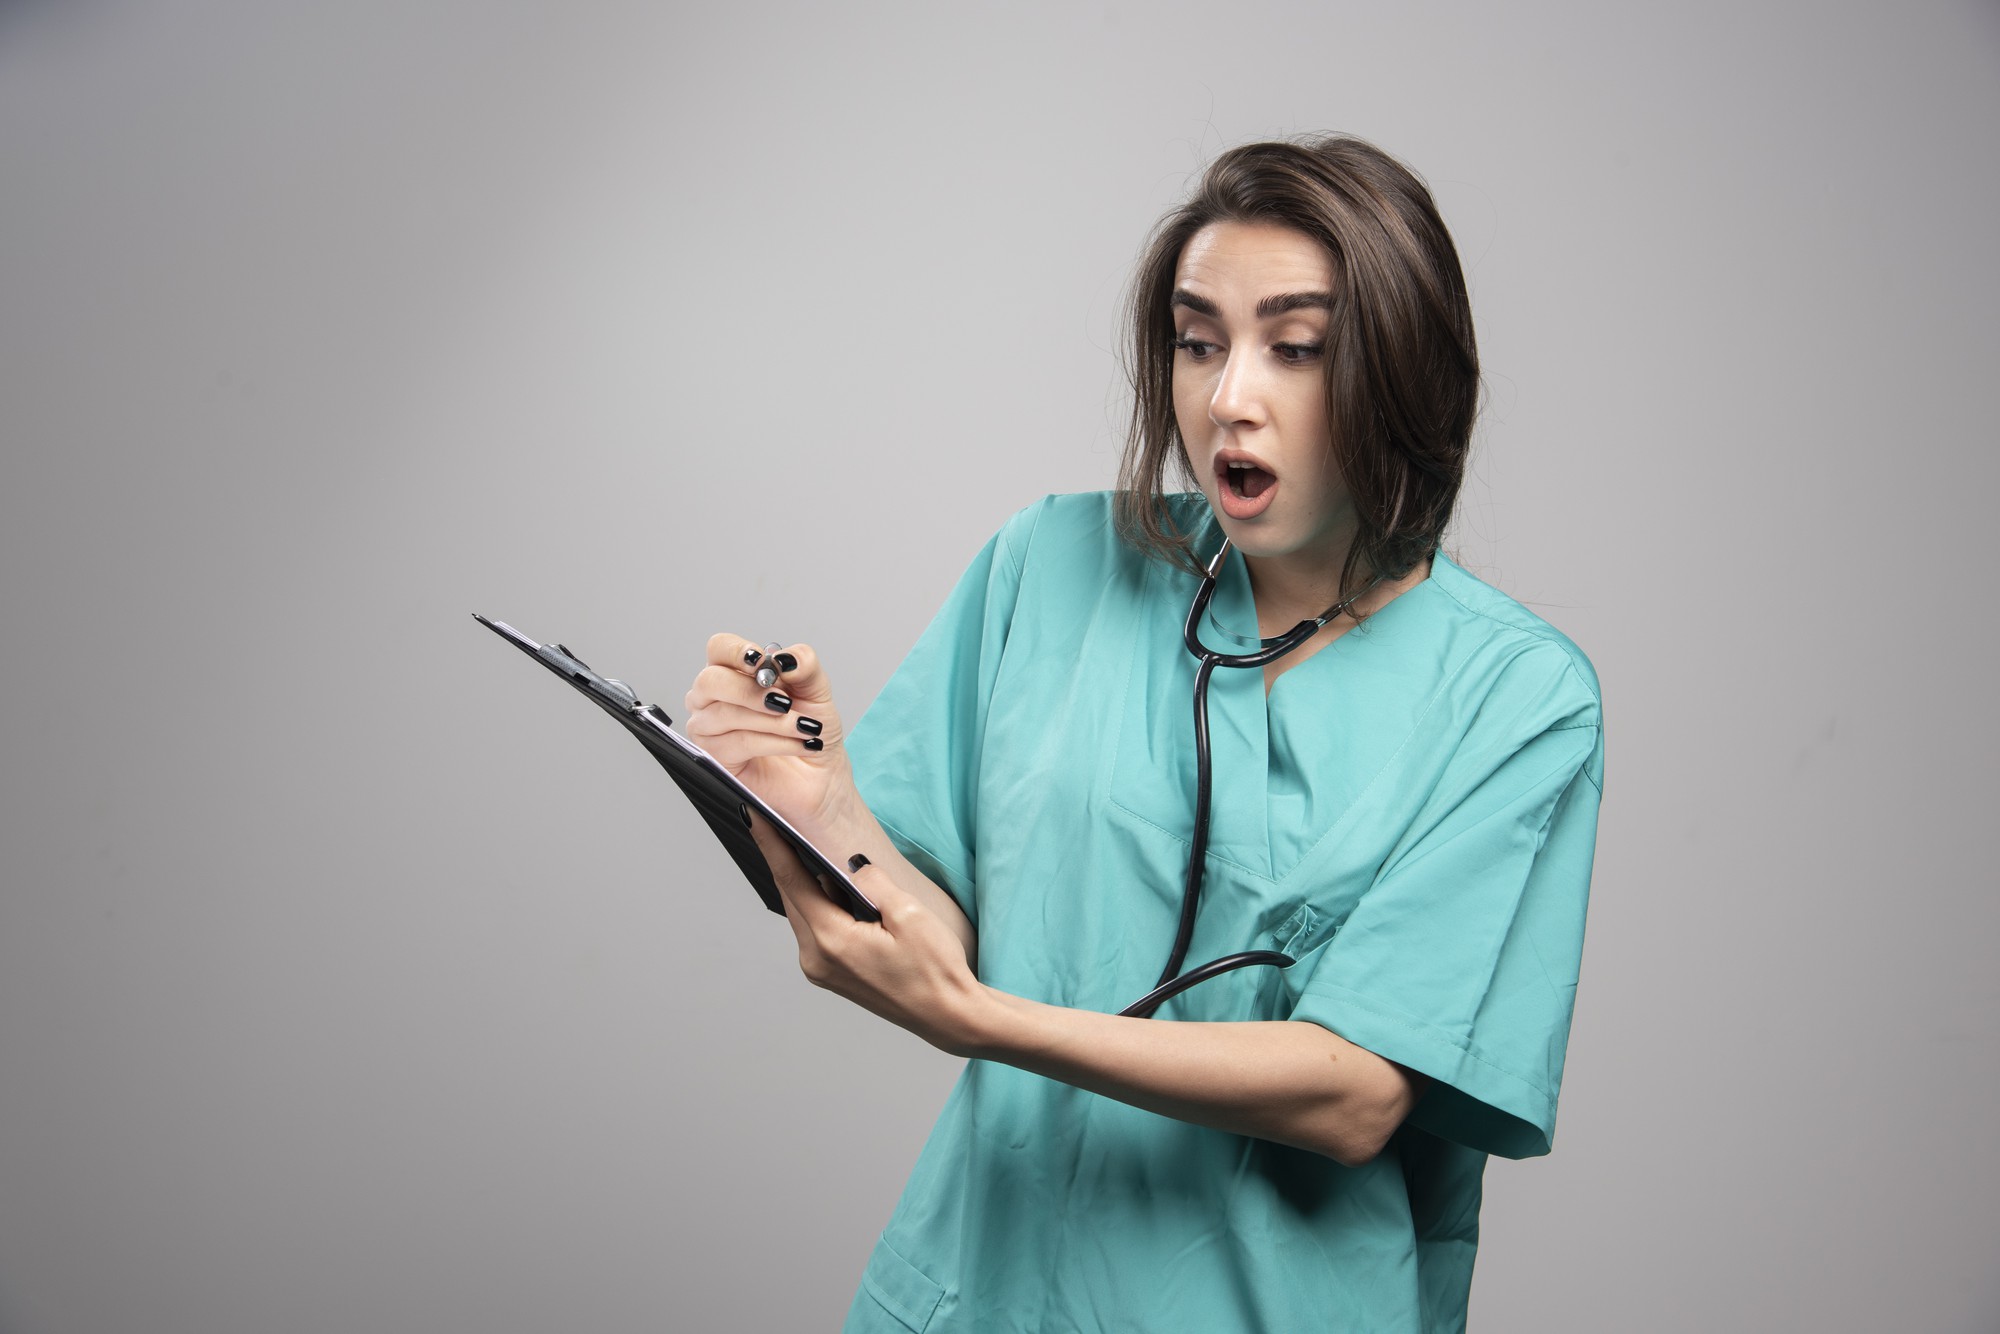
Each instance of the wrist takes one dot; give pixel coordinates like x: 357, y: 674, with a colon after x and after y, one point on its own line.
x: 840, y: 814
x: 994, y: 1025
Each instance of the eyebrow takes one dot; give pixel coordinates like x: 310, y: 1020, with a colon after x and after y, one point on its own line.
x: 1282, y: 304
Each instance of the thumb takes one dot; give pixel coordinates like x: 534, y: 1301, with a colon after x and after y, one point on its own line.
x: 895, y: 903
x: 801, y: 675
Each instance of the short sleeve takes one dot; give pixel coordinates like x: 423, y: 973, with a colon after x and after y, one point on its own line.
x: 1461, y: 960
x: 916, y: 751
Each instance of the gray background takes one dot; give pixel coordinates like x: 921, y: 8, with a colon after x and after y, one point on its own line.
x: 352, y: 977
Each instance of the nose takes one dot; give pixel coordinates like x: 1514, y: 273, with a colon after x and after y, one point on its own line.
x: 1239, y: 392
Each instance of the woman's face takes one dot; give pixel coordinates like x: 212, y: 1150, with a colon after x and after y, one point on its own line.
x: 1250, y: 306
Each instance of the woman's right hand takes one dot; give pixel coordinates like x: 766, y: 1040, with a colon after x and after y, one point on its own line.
x: 784, y: 742
x: 768, y: 746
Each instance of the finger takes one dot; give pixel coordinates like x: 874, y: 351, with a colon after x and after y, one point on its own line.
x: 761, y: 709
x: 800, y: 674
x: 732, y: 750
x: 784, y: 865
x: 807, y: 907
x: 714, y: 684
x: 719, y: 719
x: 880, y: 888
x: 735, y: 652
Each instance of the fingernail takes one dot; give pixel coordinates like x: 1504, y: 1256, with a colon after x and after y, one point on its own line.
x: 856, y: 862
x: 810, y: 726
x: 814, y: 743
x: 777, y: 702
x: 751, y: 657
x: 745, y: 811
x: 786, y: 662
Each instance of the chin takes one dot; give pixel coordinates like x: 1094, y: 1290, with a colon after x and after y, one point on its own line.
x: 1289, y: 545
x: 1266, y: 535
x: 1261, y: 544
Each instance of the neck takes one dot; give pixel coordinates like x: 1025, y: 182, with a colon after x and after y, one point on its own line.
x: 1288, y: 590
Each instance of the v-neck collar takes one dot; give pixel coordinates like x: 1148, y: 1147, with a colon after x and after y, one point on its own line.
x: 1234, y: 608
x: 1245, y: 721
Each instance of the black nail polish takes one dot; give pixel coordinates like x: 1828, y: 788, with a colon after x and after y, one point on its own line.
x: 745, y: 811
x: 814, y: 743
x: 856, y: 862
x: 777, y: 702
x: 810, y: 726
x: 786, y: 662
x: 751, y: 657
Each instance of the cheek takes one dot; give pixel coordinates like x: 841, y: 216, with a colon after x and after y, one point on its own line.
x: 1328, y: 488
x: 1309, y: 428
x: 1305, y: 404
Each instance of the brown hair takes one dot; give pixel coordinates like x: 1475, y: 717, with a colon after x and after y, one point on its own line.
x: 1402, y: 371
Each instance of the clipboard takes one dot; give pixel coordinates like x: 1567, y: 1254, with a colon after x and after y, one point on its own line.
x: 723, y: 802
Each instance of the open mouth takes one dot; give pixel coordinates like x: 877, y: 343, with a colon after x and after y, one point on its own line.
x: 1247, y: 480
x: 1245, y: 488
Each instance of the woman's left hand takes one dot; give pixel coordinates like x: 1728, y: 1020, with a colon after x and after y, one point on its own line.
x: 910, y: 968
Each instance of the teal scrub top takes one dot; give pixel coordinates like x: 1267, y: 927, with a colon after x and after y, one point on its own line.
x: 1410, y: 814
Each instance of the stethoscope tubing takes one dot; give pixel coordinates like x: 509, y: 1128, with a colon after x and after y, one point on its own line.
x: 1172, y: 980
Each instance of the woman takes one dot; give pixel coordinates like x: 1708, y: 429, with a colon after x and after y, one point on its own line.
x: 1405, y: 804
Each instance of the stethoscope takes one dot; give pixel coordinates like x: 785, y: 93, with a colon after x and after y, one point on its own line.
x: 1172, y: 980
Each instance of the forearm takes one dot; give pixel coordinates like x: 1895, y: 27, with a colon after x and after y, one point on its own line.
x: 1292, y: 1082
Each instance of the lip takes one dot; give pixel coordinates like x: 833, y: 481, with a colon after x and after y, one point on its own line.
x: 1233, y: 505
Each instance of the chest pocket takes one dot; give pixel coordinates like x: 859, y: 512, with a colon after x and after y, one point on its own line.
x: 1294, y: 933
x: 1303, y: 936
x: 1261, y: 991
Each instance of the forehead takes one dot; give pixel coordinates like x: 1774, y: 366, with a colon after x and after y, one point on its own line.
x: 1252, y: 259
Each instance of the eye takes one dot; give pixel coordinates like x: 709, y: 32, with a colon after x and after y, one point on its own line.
x: 1196, y: 349
x: 1298, y: 354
